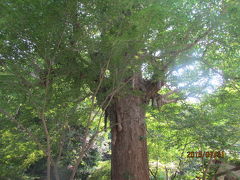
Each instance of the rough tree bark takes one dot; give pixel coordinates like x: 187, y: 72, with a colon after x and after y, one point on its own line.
x: 129, y: 147
x: 128, y: 131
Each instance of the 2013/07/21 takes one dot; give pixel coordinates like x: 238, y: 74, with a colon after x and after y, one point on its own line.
x: 200, y: 154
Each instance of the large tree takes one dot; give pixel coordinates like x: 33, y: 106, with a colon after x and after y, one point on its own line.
x: 121, y: 51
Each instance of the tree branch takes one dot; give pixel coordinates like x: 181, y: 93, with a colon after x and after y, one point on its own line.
x: 225, y: 172
x: 189, y: 46
x: 20, y: 126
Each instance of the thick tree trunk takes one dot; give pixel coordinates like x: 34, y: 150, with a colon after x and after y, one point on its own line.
x: 129, y: 147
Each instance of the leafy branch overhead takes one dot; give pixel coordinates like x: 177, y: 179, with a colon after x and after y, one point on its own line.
x: 71, y: 69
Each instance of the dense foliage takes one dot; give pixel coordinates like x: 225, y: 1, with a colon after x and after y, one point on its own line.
x: 61, y: 60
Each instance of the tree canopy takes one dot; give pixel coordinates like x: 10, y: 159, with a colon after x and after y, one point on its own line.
x: 65, y: 64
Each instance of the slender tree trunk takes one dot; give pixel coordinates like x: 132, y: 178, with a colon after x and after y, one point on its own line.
x: 55, y: 170
x: 129, y: 147
x: 166, y: 172
x: 205, y: 172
